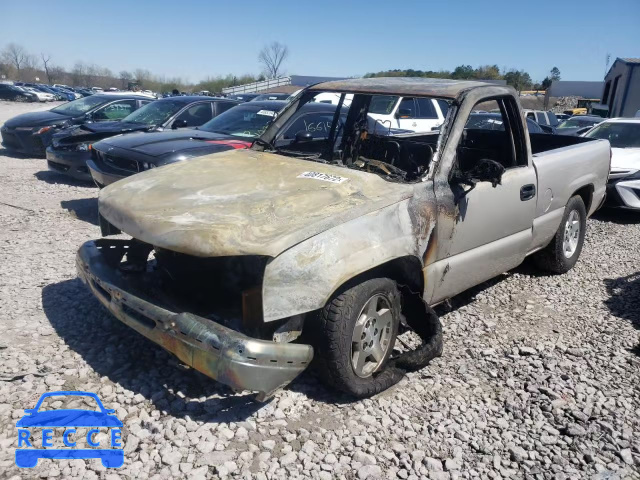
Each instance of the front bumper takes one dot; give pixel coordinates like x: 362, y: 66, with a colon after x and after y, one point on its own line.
x: 624, y: 193
x: 102, y: 175
x: 24, y: 141
x: 228, y: 356
x: 72, y: 163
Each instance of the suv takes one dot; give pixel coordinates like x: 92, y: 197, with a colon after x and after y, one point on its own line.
x: 542, y: 118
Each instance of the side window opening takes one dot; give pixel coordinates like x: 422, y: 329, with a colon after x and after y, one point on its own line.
x: 196, y: 115
x: 115, y: 110
x: 426, y: 108
x: 489, y: 135
x: 407, y: 108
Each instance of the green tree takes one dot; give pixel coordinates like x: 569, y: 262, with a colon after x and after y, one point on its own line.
x: 555, y: 73
x: 518, y: 79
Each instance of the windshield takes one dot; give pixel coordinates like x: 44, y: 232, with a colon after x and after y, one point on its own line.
x: 577, y: 122
x: 245, y: 120
x: 272, y: 96
x: 80, y: 106
x: 619, y: 134
x: 155, y: 113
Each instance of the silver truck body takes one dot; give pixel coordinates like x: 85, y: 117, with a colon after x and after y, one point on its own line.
x: 318, y: 234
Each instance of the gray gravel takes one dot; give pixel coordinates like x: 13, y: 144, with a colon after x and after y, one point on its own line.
x: 539, y: 379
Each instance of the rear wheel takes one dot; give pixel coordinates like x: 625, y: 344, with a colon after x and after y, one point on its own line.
x: 355, y: 334
x: 20, y: 98
x: 562, y: 253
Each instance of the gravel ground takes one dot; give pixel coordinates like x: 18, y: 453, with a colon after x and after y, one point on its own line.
x: 539, y: 379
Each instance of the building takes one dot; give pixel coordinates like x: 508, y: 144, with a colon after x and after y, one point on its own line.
x: 621, y: 92
x: 562, y: 88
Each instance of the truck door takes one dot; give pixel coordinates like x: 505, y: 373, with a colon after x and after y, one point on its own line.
x: 491, y: 228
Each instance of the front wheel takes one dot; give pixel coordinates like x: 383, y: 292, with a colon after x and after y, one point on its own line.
x: 562, y: 253
x: 355, y: 334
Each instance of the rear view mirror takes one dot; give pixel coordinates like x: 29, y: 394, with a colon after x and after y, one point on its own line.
x: 303, y: 136
x: 179, y: 123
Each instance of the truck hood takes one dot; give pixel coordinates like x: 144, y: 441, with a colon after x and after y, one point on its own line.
x: 242, y: 202
x: 625, y: 158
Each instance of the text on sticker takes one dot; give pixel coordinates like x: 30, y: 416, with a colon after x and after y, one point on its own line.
x: 323, y: 176
x: 268, y: 113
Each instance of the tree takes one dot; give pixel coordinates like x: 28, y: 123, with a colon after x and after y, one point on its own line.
x: 271, y: 57
x: 16, y: 56
x: 518, y: 79
x: 78, y: 75
x: 55, y: 74
x: 463, y: 72
x: 125, y: 78
x: 46, y: 58
x: 546, y: 83
x: 555, y: 74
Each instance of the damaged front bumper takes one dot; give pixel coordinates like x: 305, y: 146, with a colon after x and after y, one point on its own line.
x: 228, y: 356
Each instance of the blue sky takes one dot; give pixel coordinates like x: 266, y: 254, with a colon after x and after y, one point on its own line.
x: 196, y: 39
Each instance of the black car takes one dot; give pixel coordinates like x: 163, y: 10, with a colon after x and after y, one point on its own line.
x: 70, y: 148
x: 244, y: 97
x: 578, y: 124
x: 10, y: 92
x: 238, y: 127
x: 31, y: 133
x: 493, y: 121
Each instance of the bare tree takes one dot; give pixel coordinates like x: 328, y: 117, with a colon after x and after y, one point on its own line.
x: 55, y: 73
x: 125, y: 78
x: 16, y: 56
x: 46, y: 58
x: 142, y: 76
x: 271, y: 58
x: 78, y: 74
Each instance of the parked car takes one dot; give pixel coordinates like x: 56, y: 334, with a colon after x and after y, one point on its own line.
x: 16, y: 94
x: 64, y: 94
x: 244, y: 97
x: 542, y: 118
x: 70, y: 148
x: 41, y: 95
x: 330, y: 246
x: 623, y: 188
x: 391, y: 113
x: 493, y: 121
x: 30, y: 133
x: 272, y: 96
x: 578, y: 124
x: 118, y: 157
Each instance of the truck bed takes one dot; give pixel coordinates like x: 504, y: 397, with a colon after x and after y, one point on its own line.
x: 543, y: 142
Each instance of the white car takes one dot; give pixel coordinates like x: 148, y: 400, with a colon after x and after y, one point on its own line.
x: 42, y: 96
x: 623, y: 189
x: 389, y: 113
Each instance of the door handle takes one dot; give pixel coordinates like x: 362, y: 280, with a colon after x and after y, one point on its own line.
x: 527, y: 192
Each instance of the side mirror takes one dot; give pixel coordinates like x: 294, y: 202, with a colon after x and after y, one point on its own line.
x: 88, y: 117
x: 179, y: 123
x: 486, y: 170
x: 303, y: 136
x: 403, y: 113
x: 547, y: 129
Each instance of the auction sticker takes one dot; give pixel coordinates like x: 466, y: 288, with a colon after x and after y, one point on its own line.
x: 268, y: 113
x: 323, y: 176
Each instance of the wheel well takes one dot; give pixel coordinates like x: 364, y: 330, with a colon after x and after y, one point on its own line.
x: 586, y: 193
x: 406, y: 271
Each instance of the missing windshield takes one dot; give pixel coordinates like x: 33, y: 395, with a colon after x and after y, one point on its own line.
x: 391, y: 136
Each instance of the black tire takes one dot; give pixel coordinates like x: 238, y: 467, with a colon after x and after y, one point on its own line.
x: 333, y: 331
x: 552, y: 258
x: 20, y: 98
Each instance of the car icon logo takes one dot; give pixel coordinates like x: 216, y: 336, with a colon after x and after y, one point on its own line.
x: 69, y: 419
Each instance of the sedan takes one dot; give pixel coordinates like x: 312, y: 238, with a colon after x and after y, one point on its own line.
x: 11, y: 92
x: 577, y: 124
x: 31, y: 133
x: 70, y: 148
x: 623, y: 189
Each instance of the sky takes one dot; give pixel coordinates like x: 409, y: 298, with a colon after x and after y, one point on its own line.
x: 196, y: 39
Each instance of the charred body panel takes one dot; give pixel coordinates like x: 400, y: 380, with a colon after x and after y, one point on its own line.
x: 227, y: 355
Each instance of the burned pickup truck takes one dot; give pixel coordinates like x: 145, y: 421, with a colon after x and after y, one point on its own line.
x: 330, y: 243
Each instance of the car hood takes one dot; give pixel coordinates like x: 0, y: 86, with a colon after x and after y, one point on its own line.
x: 92, y: 132
x: 242, y: 202
x: 156, y: 144
x: 36, y: 119
x: 625, y: 158
x: 69, y: 418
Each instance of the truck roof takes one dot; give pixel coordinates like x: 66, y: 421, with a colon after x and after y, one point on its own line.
x: 406, y: 86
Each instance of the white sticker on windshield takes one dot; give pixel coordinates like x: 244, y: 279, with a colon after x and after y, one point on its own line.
x: 323, y: 176
x: 268, y: 113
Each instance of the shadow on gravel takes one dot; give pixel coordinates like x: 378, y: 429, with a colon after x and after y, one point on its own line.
x: 54, y: 178
x: 11, y: 154
x: 624, y: 300
x: 115, y: 351
x: 85, y: 209
x: 617, y: 215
